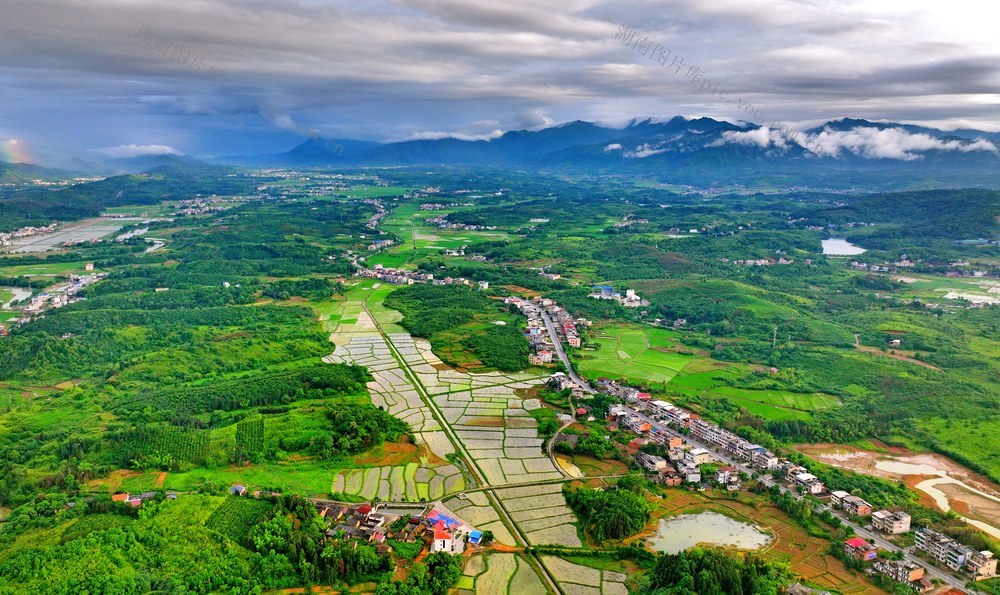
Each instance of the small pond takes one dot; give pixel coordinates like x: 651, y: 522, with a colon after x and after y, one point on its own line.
x: 678, y: 533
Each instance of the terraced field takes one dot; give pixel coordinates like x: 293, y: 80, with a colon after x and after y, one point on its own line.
x: 484, y: 411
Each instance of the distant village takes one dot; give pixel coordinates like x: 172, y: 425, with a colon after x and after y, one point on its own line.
x: 55, y: 297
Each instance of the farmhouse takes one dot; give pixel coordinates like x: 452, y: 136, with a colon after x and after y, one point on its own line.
x: 651, y: 462
x: 893, y: 523
x: 944, y: 549
x: 860, y: 549
x: 902, y: 572
x: 852, y: 505
x: 809, y: 483
x: 697, y: 456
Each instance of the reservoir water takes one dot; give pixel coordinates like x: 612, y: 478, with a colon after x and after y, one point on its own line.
x: 678, y: 533
x: 840, y: 247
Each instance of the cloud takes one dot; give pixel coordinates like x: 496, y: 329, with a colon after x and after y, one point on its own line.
x: 863, y: 141
x: 888, y: 143
x: 122, y: 151
x: 643, y: 150
x: 400, y: 68
x: 612, y: 147
x: 763, y: 137
x: 437, y: 134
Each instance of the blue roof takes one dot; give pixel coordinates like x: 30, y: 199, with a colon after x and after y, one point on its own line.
x: 475, y: 536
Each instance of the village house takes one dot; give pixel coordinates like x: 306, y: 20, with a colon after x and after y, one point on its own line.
x: 860, y: 549
x: 893, y: 523
x: 942, y: 548
x: 650, y: 462
x: 809, y: 483
x: 982, y: 565
x: 724, y: 474
x: 852, y: 505
x: 905, y: 572
x: 697, y: 456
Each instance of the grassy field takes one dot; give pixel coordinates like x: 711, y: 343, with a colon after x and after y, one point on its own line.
x: 54, y: 268
x: 769, y: 404
x: 641, y: 354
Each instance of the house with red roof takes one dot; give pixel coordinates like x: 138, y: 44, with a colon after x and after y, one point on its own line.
x: 860, y: 549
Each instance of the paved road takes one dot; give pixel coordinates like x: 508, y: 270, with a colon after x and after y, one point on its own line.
x: 562, y: 353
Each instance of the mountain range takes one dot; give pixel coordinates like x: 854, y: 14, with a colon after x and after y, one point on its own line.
x: 678, y: 142
x: 838, y: 153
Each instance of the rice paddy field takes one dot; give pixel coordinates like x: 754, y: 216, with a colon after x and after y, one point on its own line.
x: 641, y: 354
x: 485, y: 411
x: 500, y: 573
x: 80, y: 231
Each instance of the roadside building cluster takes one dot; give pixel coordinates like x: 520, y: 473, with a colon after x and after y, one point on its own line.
x: 543, y: 344
x: 956, y: 556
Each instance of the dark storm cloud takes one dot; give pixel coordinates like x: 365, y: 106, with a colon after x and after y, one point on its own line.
x: 217, y: 76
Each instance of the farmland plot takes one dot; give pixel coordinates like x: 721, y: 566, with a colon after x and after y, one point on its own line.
x: 577, y: 578
x: 525, y: 581
x: 500, y: 569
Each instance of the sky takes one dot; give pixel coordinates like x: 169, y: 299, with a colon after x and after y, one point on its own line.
x: 94, y: 79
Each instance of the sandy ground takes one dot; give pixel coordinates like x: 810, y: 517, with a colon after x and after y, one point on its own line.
x: 941, y: 481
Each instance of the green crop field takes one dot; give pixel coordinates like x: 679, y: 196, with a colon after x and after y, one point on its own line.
x: 637, y: 353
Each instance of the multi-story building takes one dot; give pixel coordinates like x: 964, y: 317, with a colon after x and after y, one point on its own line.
x: 852, y: 505
x: 809, y: 483
x: 893, y: 523
x: 860, y: 549
x: 697, y: 456
x: 764, y: 460
x: 943, y: 548
x: 651, y: 462
x: 982, y: 565
x: 899, y: 570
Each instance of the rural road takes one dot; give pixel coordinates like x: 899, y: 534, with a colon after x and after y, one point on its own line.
x: 562, y: 353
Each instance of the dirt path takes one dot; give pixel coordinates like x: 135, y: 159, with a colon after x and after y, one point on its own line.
x: 902, y: 358
x: 160, y: 479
